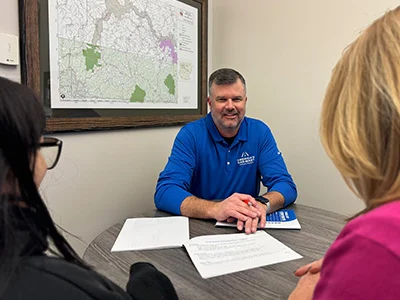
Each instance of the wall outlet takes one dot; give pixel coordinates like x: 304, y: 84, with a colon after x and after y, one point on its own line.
x: 9, y: 49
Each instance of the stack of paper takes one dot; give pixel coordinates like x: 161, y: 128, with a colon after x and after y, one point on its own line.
x: 152, y: 233
x: 215, y: 255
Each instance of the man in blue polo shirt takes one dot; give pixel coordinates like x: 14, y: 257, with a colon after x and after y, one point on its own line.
x: 217, y: 163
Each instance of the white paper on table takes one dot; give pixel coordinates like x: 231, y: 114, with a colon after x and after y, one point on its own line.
x: 152, y: 233
x: 215, y: 255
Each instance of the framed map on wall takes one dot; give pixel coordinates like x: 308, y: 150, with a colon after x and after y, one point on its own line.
x: 108, y: 64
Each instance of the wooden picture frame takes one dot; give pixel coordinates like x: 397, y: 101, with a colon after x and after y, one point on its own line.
x: 30, y: 76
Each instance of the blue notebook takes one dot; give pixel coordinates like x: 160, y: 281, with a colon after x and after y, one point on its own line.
x: 281, y: 219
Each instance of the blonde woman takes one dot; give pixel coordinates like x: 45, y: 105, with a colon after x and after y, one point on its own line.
x: 360, y: 130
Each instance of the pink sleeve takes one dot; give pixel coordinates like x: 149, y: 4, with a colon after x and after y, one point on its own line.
x: 356, y: 267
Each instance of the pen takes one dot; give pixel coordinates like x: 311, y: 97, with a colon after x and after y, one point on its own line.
x: 247, y: 202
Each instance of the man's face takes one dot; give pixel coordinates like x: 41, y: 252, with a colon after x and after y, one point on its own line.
x: 228, y: 107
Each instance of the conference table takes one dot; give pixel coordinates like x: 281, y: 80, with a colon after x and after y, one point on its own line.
x: 319, y: 229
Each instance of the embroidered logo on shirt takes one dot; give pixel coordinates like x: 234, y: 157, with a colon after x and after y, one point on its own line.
x: 245, y: 159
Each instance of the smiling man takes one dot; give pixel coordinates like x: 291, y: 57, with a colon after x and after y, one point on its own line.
x: 217, y: 163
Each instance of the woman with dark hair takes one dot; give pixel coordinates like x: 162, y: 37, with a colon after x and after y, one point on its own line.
x: 26, y: 227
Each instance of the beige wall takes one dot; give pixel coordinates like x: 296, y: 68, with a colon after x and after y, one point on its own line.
x: 286, y: 50
x: 104, y: 177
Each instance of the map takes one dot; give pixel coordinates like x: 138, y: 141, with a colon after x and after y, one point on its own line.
x: 123, y: 54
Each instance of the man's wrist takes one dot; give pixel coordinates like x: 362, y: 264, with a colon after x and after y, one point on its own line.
x: 265, y: 201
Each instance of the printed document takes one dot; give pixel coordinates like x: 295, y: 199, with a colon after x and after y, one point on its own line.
x: 152, y: 233
x: 215, y: 255
x: 281, y: 219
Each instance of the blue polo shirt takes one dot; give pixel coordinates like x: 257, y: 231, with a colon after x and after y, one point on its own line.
x: 203, y: 164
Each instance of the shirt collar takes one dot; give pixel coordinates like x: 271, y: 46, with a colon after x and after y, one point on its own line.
x: 213, y: 130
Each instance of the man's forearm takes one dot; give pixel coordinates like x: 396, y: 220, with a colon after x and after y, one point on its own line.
x: 198, y: 208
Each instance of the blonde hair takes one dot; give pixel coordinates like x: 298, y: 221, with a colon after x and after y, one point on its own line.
x: 360, y: 121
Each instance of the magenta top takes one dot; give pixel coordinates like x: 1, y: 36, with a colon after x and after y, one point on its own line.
x: 364, y: 261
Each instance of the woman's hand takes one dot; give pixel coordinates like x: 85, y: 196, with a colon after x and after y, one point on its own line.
x: 314, y: 267
x: 305, y: 287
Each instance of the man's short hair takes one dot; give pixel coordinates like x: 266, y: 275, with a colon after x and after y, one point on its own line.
x: 225, y: 76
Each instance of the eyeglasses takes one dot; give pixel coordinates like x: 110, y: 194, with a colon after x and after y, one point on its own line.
x: 51, y: 151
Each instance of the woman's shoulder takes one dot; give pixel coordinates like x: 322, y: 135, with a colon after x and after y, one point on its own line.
x: 365, y: 258
x: 380, y: 226
x: 42, y: 277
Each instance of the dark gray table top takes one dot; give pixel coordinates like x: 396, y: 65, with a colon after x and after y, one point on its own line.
x: 319, y: 229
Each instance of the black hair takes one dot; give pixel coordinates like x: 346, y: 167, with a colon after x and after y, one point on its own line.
x: 22, y: 123
x: 225, y: 76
